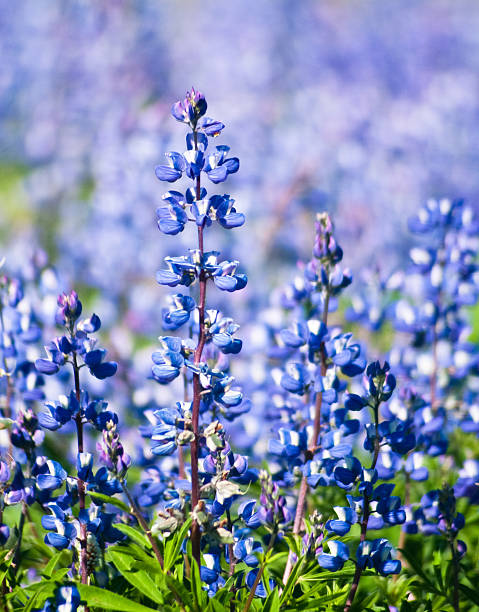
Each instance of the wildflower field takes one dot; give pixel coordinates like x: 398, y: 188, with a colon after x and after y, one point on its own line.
x: 239, y: 330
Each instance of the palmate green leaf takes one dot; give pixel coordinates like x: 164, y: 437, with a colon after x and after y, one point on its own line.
x: 139, y: 554
x: 106, y: 600
x: 417, y: 567
x: 298, y: 566
x: 363, y: 600
x: 5, y: 566
x: 17, y: 598
x: 43, y: 590
x: 293, y: 542
x: 225, y: 594
x: 323, y: 576
x: 180, y: 590
x: 134, y: 534
x: 314, y: 589
x: 272, y: 603
x: 139, y: 578
x: 471, y: 594
x: 55, y: 561
x: 315, y: 602
x: 199, y: 596
x: 106, y: 499
x: 214, y: 606
x: 173, y: 545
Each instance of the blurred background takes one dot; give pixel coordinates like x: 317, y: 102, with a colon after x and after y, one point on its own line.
x: 364, y: 109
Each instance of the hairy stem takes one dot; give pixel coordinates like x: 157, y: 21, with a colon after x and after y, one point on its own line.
x: 197, y: 389
x: 181, y: 457
x: 81, y: 483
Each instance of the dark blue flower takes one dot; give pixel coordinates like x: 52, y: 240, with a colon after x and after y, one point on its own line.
x: 174, y: 168
x: 337, y: 557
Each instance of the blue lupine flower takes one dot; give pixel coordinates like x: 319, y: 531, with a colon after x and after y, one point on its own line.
x: 211, y: 571
x: 56, y: 350
x: 178, y: 311
x: 225, y: 277
x: 387, y: 465
x: 222, y: 209
x: 296, y: 335
x: 99, y: 368
x: 63, y: 533
x: 378, y: 554
x: 67, y: 599
x: 337, y: 557
x: 261, y: 591
x: 246, y: 550
x: 85, y: 466
x: 290, y: 444
x: 221, y: 329
x: 174, y: 168
x: 415, y: 467
x: 345, y: 354
x: 246, y: 511
x: 104, y: 482
x: 381, y: 383
x: 19, y: 490
x: 168, y: 361
x: 218, y: 166
x: 4, y: 472
x: 90, y: 325
x: 52, y: 476
x: 29, y: 381
x: 172, y: 218
x: 466, y: 485
x: 317, y: 474
x: 347, y: 471
x: 170, y: 428
x: 4, y: 534
x: 346, y: 518
x: 295, y: 378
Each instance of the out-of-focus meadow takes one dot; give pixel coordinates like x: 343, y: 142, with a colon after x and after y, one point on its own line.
x: 361, y: 108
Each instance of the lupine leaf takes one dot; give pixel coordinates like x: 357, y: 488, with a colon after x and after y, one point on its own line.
x: 272, y: 602
x: 134, y: 534
x: 106, y: 499
x: 173, y: 545
x: 106, y: 600
x: 139, y: 578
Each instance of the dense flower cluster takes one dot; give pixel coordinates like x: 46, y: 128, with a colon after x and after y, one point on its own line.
x: 367, y: 435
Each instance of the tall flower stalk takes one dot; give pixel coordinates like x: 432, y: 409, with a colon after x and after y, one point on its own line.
x: 78, y: 349
x: 325, y: 280
x: 212, y: 390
